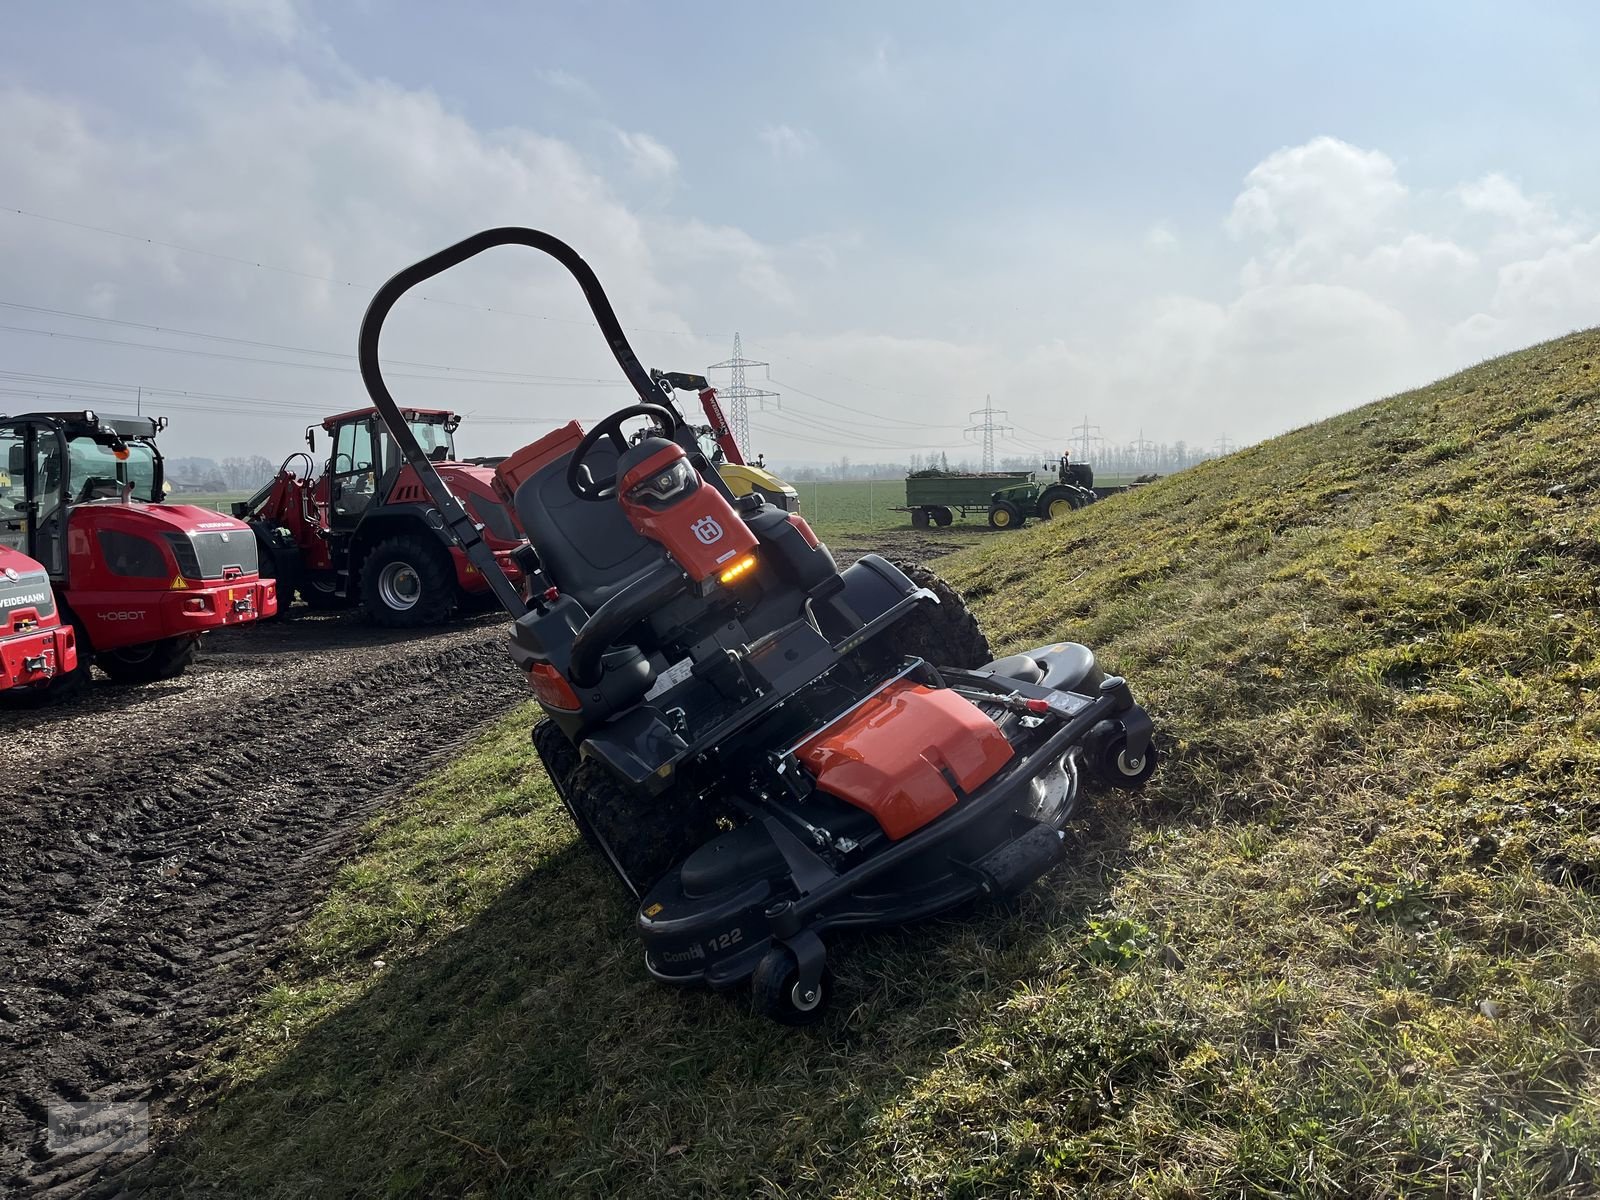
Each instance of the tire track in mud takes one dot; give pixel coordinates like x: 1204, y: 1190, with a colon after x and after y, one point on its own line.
x: 159, y: 843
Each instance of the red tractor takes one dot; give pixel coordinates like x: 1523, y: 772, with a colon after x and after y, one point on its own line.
x: 138, y: 580
x: 364, y: 530
x: 35, y: 647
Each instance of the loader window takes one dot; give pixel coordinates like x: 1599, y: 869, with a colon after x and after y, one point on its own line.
x: 436, y: 441
x: 13, y: 490
x: 354, y: 465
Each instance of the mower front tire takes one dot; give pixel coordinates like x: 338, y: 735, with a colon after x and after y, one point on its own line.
x: 1116, y: 769
x: 776, y: 987
x: 946, y: 634
x: 166, y: 658
x: 407, y: 582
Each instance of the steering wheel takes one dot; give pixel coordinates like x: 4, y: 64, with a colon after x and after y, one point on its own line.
x: 585, y: 486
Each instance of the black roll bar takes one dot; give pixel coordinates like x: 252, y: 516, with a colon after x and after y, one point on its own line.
x: 458, y: 525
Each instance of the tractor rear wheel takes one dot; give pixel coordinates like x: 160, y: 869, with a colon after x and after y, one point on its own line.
x: 165, y: 658
x: 1057, y: 502
x: 1005, y: 515
x: 946, y: 634
x: 407, y: 581
x: 641, y: 837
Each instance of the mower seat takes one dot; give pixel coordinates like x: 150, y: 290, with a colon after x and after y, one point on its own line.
x: 1065, y: 665
x: 588, y: 549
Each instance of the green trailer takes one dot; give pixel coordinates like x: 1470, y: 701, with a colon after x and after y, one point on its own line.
x: 1007, y: 498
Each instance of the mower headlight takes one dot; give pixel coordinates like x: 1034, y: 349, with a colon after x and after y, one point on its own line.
x: 668, y: 484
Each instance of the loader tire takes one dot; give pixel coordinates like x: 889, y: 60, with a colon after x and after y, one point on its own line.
x: 320, y: 594
x: 408, y: 582
x: 166, y: 658
x: 946, y: 634
x: 640, y: 837
x: 68, y: 685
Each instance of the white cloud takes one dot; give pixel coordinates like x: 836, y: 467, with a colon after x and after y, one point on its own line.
x: 276, y: 20
x: 647, y: 156
x: 787, y: 143
x: 1326, y: 190
x: 1160, y: 238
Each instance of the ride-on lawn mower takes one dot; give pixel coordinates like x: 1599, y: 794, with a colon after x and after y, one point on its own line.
x: 764, y: 748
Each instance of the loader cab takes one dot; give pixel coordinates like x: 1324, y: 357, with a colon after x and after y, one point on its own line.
x: 53, y: 461
x: 364, y: 460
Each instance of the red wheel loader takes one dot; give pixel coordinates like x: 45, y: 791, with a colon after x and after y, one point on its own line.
x: 138, y: 580
x: 35, y: 647
x: 364, y: 532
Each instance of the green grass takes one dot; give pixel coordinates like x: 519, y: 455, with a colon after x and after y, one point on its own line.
x: 1347, y: 943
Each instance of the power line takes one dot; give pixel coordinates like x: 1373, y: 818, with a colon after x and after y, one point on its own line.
x: 239, y: 341
x: 345, y: 283
x: 279, y: 362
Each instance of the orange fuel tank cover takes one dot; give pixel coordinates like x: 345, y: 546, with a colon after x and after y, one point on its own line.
x: 886, y: 757
x: 508, y: 476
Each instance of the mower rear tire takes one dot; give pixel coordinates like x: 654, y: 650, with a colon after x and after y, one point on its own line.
x: 776, y: 986
x: 947, y: 635
x: 560, y: 759
x: 1005, y: 515
x: 166, y: 658
x: 408, y: 582
x: 641, y: 837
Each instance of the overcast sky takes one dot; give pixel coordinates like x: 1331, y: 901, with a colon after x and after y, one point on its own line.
x: 1181, y: 220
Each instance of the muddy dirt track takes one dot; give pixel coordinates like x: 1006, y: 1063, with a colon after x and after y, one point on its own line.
x: 159, y: 842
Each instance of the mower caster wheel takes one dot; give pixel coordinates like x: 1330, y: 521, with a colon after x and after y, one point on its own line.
x: 776, y: 984
x: 1120, y: 771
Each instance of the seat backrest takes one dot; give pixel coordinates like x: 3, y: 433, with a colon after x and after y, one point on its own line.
x: 587, y: 548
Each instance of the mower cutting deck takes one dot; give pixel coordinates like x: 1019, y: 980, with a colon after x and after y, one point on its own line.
x: 764, y: 747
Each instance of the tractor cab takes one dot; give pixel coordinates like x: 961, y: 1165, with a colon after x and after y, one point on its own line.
x: 364, y: 463
x: 56, y: 460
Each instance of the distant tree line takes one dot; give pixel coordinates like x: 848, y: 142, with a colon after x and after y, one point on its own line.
x: 238, y: 474
x: 1135, y: 458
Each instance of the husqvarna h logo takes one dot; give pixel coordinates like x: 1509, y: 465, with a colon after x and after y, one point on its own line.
x: 707, y: 530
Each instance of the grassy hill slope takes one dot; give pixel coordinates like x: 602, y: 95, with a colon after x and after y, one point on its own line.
x: 1347, y: 943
